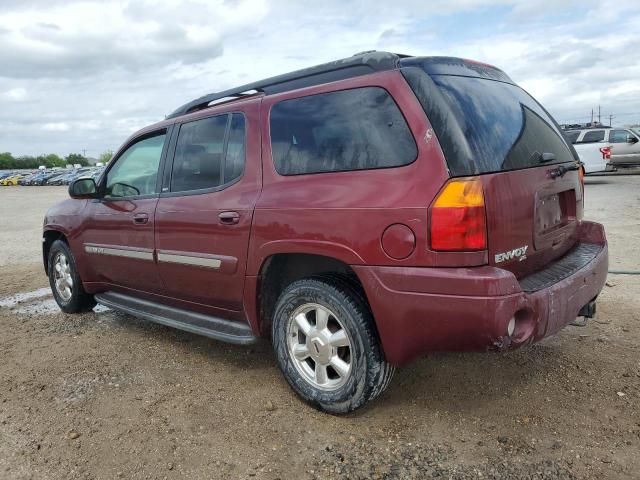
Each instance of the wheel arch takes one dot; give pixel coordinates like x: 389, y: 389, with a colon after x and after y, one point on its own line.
x: 279, y: 270
x: 48, y: 237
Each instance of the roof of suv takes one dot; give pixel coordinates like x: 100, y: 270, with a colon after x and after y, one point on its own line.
x: 359, y: 64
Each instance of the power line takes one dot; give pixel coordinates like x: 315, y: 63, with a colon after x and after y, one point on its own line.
x: 587, y: 118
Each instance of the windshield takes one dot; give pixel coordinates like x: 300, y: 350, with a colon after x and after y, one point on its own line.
x: 489, y: 126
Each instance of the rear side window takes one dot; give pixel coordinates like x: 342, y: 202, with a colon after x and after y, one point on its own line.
x: 593, y: 136
x: 355, y: 129
x: 210, y: 153
x: 572, y: 137
x: 485, y: 125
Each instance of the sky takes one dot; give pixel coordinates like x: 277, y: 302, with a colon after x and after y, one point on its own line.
x: 81, y: 76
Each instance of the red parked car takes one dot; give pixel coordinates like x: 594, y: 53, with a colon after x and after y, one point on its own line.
x: 361, y: 214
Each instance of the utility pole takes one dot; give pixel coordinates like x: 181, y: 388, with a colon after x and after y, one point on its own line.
x: 84, y: 152
x: 591, y: 117
x: 611, y: 117
x: 599, y: 121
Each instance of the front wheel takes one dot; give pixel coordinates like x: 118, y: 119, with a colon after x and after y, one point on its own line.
x: 65, y: 281
x: 327, y: 346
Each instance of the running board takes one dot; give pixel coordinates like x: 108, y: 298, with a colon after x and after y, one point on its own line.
x: 208, y: 326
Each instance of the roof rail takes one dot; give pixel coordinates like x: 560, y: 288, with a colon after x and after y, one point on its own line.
x: 359, y: 64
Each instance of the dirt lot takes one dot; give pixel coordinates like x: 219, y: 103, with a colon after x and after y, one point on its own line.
x: 105, y: 396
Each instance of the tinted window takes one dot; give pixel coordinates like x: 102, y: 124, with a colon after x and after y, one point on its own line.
x: 593, y: 136
x: 618, y: 136
x: 354, y: 129
x: 136, y: 170
x: 572, y: 137
x: 486, y: 125
x: 234, y: 164
x: 203, y: 159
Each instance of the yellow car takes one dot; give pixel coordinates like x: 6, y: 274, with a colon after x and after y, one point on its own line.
x: 12, y: 180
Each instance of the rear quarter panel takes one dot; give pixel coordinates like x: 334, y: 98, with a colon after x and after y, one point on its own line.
x: 343, y: 214
x: 591, y: 156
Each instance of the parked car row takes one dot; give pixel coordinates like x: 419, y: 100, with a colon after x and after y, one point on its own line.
x: 54, y: 176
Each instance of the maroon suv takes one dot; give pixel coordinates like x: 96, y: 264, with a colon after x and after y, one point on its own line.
x: 361, y: 213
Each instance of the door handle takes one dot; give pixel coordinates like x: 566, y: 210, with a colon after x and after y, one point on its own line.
x: 140, y: 218
x: 229, y: 218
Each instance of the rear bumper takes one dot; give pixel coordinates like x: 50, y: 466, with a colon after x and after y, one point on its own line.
x: 423, y: 310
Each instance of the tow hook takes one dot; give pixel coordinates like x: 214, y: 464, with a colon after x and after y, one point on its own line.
x: 587, y: 311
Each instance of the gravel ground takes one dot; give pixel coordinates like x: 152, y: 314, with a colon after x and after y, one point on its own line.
x: 104, y: 396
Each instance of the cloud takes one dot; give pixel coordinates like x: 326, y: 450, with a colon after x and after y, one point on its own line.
x: 90, y: 38
x: 56, y: 127
x: 106, y: 68
x: 17, y: 94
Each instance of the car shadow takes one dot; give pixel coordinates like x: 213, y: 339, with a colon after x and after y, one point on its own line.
x: 445, y: 382
x: 215, y: 351
x: 471, y: 383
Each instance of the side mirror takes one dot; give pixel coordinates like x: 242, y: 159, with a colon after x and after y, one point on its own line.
x: 83, y: 188
x: 631, y: 139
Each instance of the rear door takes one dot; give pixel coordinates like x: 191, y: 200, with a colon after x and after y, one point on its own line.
x: 593, y: 136
x: 204, y: 214
x: 491, y: 128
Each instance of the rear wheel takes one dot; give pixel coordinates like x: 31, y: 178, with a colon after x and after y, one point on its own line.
x: 65, y: 281
x: 327, y: 346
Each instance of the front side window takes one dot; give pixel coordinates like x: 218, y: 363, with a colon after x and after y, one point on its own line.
x: 618, y: 136
x: 593, y: 136
x: 136, y: 170
x: 355, y: 129
x: 209, y: 153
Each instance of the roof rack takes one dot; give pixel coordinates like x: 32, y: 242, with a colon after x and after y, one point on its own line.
x: 359, y: 64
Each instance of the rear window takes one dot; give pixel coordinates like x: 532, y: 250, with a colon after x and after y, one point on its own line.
x: 355, y: 129
x: 486, y: 126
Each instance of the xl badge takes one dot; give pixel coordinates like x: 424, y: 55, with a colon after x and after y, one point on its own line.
x: 518, y: 253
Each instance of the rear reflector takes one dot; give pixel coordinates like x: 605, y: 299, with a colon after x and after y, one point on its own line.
x: 457, y: 217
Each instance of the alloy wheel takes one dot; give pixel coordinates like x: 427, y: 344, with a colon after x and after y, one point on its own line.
x: 319, y: 346
x: 63, y: 280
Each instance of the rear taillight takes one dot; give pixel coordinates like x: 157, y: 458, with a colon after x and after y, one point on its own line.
x: 606, y: 153
x: 457, y: 217
x: 581, y: 175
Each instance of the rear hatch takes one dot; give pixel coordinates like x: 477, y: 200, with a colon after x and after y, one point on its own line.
x: 489, y: 127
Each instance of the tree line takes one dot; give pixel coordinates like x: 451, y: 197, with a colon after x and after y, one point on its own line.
x: 9, y: 162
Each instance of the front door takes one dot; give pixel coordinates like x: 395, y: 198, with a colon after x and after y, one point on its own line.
x: 625, y: 147
x: 203, y: 218
x: 118, y: 237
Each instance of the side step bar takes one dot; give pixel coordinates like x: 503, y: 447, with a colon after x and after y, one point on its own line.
x: 208, y: 326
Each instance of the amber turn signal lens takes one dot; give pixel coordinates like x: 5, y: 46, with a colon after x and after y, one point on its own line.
x: 458, y: 218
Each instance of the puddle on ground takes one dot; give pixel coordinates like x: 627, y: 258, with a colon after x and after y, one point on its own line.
x: 38, y: 302
x: 19, y: 298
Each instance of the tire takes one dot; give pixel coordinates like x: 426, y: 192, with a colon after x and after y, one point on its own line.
x: 338, y: 305
x: 69, y: 293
